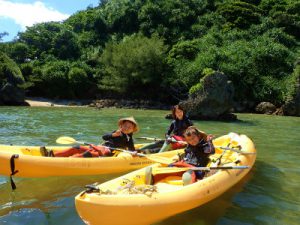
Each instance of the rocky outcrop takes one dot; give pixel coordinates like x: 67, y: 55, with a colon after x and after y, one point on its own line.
x: 292, y: 108
x: 131, y: 104
x: 265, y: 108
x: 212, y: 99
x: 11, y: 95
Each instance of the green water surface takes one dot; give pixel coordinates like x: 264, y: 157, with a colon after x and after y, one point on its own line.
x: 269, y: 194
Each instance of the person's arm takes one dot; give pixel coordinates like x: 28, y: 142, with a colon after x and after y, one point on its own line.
x: 171, y: 128
x: 209, y: 147
x: 107, y: 136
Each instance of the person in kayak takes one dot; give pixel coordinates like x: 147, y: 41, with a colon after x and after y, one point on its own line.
x: 121, y: 138
x: 196, y: 154
x: 176, y: 130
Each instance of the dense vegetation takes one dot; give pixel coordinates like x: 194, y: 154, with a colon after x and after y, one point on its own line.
x: 160, y: 49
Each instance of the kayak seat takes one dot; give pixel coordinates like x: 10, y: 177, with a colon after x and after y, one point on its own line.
x: 174, y: 180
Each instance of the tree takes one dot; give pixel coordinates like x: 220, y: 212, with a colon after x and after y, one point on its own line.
x: 171, y: 19
x: 9, y: 71
x: 134, y: 65
x: 240, y: 14
x: 65, y: 45
x: 40, y: 37
x: 55, y: 82
x: 20, y: 52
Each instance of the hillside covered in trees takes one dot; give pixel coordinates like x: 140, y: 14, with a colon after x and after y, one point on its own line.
x: 160, y: 49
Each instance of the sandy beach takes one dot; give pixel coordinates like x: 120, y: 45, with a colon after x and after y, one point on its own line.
x: 44, y: 102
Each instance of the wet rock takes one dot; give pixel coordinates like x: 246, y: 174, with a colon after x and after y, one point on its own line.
x: 279, y: 112
x: 12, y: 95
x: 130, y: 104
x: 213, y: 100
x: 265, y: 108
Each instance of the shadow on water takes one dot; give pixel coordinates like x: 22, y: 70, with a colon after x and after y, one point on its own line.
x: 254, y: 200
x: 263, y: 200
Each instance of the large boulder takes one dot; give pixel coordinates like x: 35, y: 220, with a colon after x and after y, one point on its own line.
x: 211, y: 99
x: 10, y: 80
x: 265, y: 108
x: 12, y: 95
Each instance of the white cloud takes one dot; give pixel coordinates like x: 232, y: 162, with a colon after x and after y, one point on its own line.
x: 29, y: 14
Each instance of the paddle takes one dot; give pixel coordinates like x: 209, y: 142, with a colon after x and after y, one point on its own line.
x: 236, y: 149
x: 170, y: 139
x: 155, y: 158
x: 150, y: 139
x: 208, y: 168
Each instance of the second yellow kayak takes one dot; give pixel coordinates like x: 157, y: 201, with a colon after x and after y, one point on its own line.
x: 131, y: 200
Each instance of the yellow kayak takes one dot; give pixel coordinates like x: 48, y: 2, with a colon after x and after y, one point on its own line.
x: 130, y: 200
x: 29, y: 162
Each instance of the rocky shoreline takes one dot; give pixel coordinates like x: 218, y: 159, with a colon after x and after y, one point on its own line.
x: 99, y: 104
x: 262, y: 108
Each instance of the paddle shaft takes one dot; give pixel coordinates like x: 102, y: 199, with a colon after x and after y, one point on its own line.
x: 150, y: 139
x: 235, y: 150
x: 158, y: 139
x: 178, y: 169
x: 238, y: 150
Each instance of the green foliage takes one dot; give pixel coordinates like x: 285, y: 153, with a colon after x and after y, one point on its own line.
x: 40, y: 37
x: 240, y: 14
x: 195, y: 88
x: 20, y: 52
x: 161, y: 49
x: 184, y: 50
x: 289, y: 20
x: 134, y: 66
x: 171, y: 19
x: 65, y: 45
x: 9, y: 71
x: 292, y: 84
x: 55, y: 82
x: 78, y: 81
x: 90, y: 25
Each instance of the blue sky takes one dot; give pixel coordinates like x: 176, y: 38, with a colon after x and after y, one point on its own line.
x: 15, y: 15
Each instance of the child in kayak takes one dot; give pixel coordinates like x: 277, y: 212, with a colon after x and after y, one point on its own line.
x: 196, y: 154
x: 180, y: 123
x: 121, y: 138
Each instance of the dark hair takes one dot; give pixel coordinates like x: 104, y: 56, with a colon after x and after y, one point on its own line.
x: 194, y: 130
x: 174, y: 111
